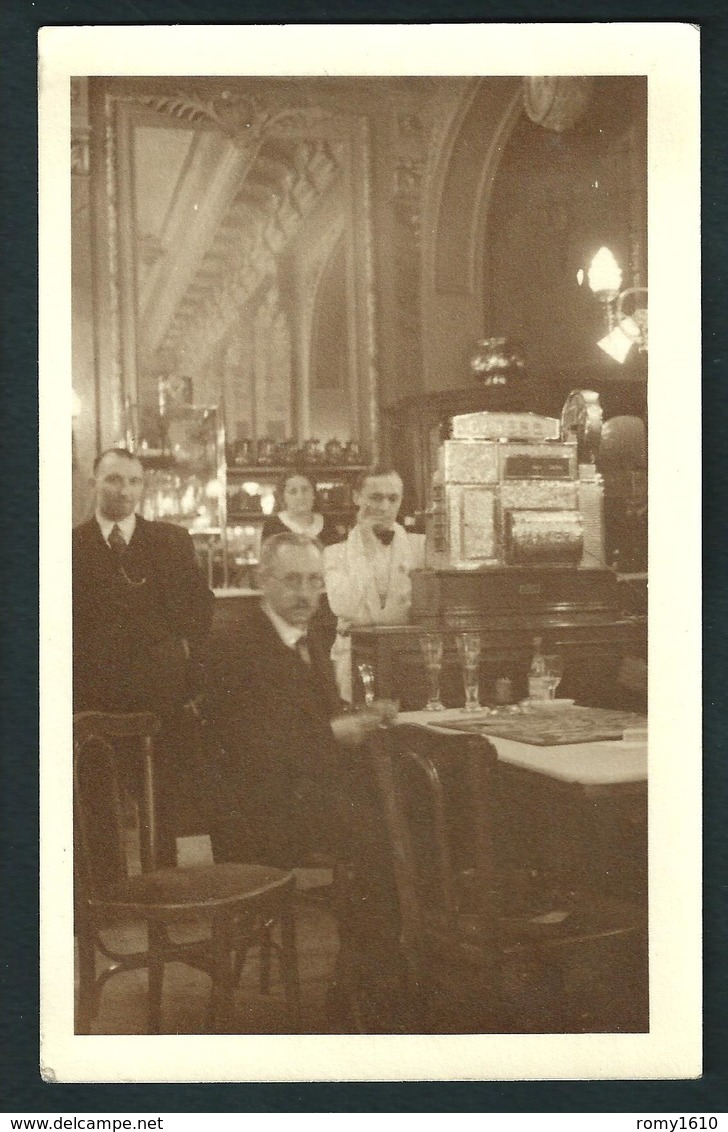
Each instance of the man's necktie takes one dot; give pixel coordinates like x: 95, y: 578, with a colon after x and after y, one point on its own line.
x: 117, y: 542
x: 302, y: 650
x: 384, y: 536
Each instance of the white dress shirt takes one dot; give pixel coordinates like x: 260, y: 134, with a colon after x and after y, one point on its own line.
x: 289, y: 634
x: 366, y: 584
x: 312, y: 529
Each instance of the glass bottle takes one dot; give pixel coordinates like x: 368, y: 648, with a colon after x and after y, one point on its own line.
x: 537, y: 678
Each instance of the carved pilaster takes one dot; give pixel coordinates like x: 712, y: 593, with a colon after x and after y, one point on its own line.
x: 80, y: 128
x: 411, y: 139
x: 112, y: 384
x: 410, y: 143
x: 80, y: 160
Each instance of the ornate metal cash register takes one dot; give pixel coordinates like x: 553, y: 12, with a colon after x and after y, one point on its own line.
x: 514, y: 550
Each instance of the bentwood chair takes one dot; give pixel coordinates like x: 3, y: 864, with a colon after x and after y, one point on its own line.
x: 478, y: 957
x: 206, y: 916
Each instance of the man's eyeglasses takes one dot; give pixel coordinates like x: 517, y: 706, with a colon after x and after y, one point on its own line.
x: 314, y: 583
x: 382, y: 497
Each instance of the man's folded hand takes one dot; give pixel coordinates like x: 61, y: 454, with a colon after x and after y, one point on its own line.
x: 354, y: 727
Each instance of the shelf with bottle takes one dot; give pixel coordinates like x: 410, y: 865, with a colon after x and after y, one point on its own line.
x: 317, y: 469
x: 247, y: 452
x: 251, y: 490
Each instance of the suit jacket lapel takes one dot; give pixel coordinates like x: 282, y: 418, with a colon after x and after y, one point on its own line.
x: 307, y: 685
x: 92, y: 536
x: 140, y: 538
x: 93, y: 554
x: 324, y: 675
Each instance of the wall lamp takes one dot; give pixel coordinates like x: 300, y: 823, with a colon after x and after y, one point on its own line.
x: 625, y: 310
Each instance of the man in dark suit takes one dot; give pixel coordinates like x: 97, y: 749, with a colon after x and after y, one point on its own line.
x: 141, y: 614
x: 297, y: 782
x: 278, y: 721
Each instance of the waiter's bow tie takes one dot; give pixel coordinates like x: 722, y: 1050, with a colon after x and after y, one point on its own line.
x: 384, y: 536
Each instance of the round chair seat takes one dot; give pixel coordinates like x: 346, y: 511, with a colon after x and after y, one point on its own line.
x: 199, y: 884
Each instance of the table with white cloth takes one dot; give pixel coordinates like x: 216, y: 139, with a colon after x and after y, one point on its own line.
x: 571, y: 815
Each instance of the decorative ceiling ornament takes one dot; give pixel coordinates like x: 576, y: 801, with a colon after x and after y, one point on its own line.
x: 234, y: 114
x: 557, y: 102
x: 240, y: 115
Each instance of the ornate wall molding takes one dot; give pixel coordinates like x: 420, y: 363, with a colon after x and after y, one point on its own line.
x: 411, y: 150
x: 111, y: 218
x: 80, y: 127
x: 244, y: 117
x: 80, y: 153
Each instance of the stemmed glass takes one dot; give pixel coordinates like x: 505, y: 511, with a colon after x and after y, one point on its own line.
x: 468, y: 645
x: 431, y: 645
x: 553, y: 671
x: 366, y: 672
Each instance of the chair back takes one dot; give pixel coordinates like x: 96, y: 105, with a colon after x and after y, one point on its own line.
x: 436, y: 790
x: 103, y: 744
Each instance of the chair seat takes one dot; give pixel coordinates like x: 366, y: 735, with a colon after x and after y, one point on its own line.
x: 208, y: 886
x: 562, y: 927
x: 580, y: 922
x: 236, y: 906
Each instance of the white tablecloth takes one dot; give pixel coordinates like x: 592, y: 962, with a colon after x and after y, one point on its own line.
x: 605, y: 763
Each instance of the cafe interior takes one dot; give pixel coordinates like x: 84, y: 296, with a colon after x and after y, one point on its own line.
x: 444, y: 276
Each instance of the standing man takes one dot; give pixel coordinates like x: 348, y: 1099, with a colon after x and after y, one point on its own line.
x: 368, y: 575
x: 141, y: 614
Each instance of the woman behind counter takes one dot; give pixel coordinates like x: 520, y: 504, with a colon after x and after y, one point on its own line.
x: 296, y: 497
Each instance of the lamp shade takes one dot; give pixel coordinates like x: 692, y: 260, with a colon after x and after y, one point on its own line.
x: 604, y: 274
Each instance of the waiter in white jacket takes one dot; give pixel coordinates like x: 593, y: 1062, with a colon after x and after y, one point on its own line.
x: 368, y: 575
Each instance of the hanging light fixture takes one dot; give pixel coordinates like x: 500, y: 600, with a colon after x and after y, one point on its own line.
x: 625, y: 310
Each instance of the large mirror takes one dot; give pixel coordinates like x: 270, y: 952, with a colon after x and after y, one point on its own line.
x: 234, y: 251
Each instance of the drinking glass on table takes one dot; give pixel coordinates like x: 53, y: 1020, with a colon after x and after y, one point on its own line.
x: 431, y: 645
x: 468, y: 645
x: 553, y: 671
x: 504, y: 701
x: 366, y: 672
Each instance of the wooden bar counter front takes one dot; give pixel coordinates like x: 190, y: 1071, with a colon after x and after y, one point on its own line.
x: 577, y: 612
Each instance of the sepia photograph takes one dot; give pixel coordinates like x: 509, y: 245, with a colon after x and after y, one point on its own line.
x: 354, y: 650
